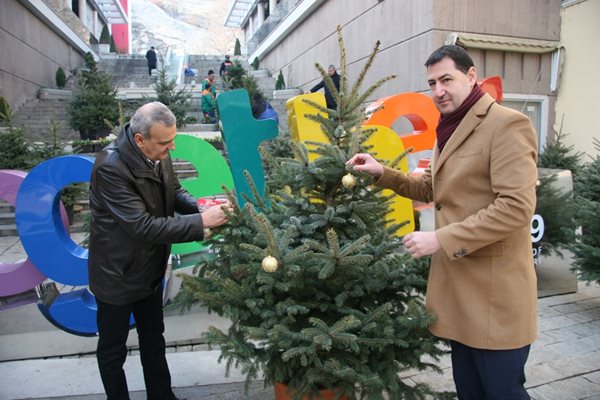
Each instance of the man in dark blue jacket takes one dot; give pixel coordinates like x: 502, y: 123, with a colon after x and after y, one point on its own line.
x: 329, y: 97
x: 134, y: 195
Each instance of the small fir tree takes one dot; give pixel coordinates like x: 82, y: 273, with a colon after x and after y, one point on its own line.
x: 94, y: 101
x: 557, y: 155
x: 6, y: 114
x: 587, y: 247
x: 113, y: 46
x: 235, y: 76
x: 557, y: 207
x: 104, y: 35
x: 178, y: 100
x: 280, y: 84
x: 319, y: 293
x: 255, y: 63
x: 237, y: 49
x: 61, y: 78
x: 14, y: 150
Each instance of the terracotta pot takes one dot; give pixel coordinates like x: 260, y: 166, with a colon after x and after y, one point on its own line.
x: 281, y: 393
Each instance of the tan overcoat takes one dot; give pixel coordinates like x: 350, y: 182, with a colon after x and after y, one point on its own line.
x: 482, y: 283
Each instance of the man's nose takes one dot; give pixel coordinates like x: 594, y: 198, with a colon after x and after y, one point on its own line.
x: 438, y: 91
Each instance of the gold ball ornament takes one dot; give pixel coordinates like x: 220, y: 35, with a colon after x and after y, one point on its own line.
x: 349, y: 181
x: 270, y: 264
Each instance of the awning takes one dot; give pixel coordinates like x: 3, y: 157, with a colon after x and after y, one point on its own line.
x: 502, y: 43
x: 113, y: 11
x: 238, y: 12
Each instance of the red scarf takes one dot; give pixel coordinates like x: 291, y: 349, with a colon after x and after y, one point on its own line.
x: 448, y: 123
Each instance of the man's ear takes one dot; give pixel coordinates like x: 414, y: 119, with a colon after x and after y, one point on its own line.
x: 139, y: 139
x: 472, y: 74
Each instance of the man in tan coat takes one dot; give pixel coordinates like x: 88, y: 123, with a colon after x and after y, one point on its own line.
x: 482, y: 282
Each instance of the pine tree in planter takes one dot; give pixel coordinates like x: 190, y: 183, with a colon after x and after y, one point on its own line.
x: 587, y: 191
x: 94, y: 101
x: 280, y: 84
x: 237, y: 49
x: 555, y: 206
x: 314, y: 281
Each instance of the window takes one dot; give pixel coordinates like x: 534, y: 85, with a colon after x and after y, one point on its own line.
x: 536, y: 108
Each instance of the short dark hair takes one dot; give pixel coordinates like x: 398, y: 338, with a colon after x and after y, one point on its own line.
x: 210, y: 72
x: 456, y: 53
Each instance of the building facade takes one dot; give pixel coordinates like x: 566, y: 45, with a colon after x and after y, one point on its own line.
x: 37, y: 37
x: 517, y: 40
x: 577, y: 103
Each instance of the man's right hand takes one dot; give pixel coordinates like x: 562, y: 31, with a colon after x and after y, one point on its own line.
x: 216, y: 215
x: 363, y: 162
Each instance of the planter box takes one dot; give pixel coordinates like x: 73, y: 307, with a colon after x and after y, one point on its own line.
x: 103, y: 48
x: 260, y: 73
x: 53, y: 94
x: 286, y: 94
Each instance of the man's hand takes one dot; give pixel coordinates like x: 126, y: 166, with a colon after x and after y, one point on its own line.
x: 420, y: 244
x: 216, y: 215
x: 364, y: 162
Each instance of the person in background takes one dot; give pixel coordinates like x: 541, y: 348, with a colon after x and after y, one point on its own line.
x: 210, y: 79
x: 208, y: 105
x: 225, y: 66
x: 138, y: 208
x: 482, y: 281
x: 329, y: 98
x: 151, y: 58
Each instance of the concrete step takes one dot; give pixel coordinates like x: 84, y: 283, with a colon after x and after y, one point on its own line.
x: 201, y: 128
x: 5, y: 207
x: 8, y: 230
x: 7, y: 218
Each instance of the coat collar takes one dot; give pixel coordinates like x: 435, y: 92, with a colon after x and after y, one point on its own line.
x: 133, y: 156
x: 466, y: 127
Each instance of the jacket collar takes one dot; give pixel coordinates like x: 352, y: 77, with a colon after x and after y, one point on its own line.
x: 466, y: 127
x: 133, y: 156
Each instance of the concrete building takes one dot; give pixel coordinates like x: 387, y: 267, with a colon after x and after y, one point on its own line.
x: 38, y: 36
x: 577, y: 102
x: 517, y: 40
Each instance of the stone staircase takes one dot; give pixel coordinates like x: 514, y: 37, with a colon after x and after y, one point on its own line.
x: 36, y: 116
x: 8, y: 227
x: 127, y: 71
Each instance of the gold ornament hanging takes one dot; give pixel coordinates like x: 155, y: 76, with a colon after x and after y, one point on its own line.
x: 270, y: 264
x: 349, y: 181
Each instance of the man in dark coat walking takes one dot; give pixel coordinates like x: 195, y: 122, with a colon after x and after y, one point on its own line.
x: 329, y: 98
x: 151, y: 57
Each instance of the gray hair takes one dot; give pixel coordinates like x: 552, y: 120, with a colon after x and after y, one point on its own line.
x: 150, y: 114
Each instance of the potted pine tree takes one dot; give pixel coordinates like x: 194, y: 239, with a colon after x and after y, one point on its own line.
x: 104, y: 41
x: 93, y: 103
x: 323, y: 302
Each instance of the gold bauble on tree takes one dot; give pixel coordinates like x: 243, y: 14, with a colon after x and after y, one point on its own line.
x: 349, y: 181
x: 270, y: 264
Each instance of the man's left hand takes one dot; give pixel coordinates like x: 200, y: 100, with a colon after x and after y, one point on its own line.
x: 420, y: 244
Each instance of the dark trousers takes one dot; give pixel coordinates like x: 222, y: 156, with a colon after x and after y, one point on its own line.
x: 489, y: 374
x: 113, y: 329
x: 150, y: 68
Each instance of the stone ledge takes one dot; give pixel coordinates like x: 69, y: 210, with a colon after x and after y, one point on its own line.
x: 286, y: 94
x: 54, y: 94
